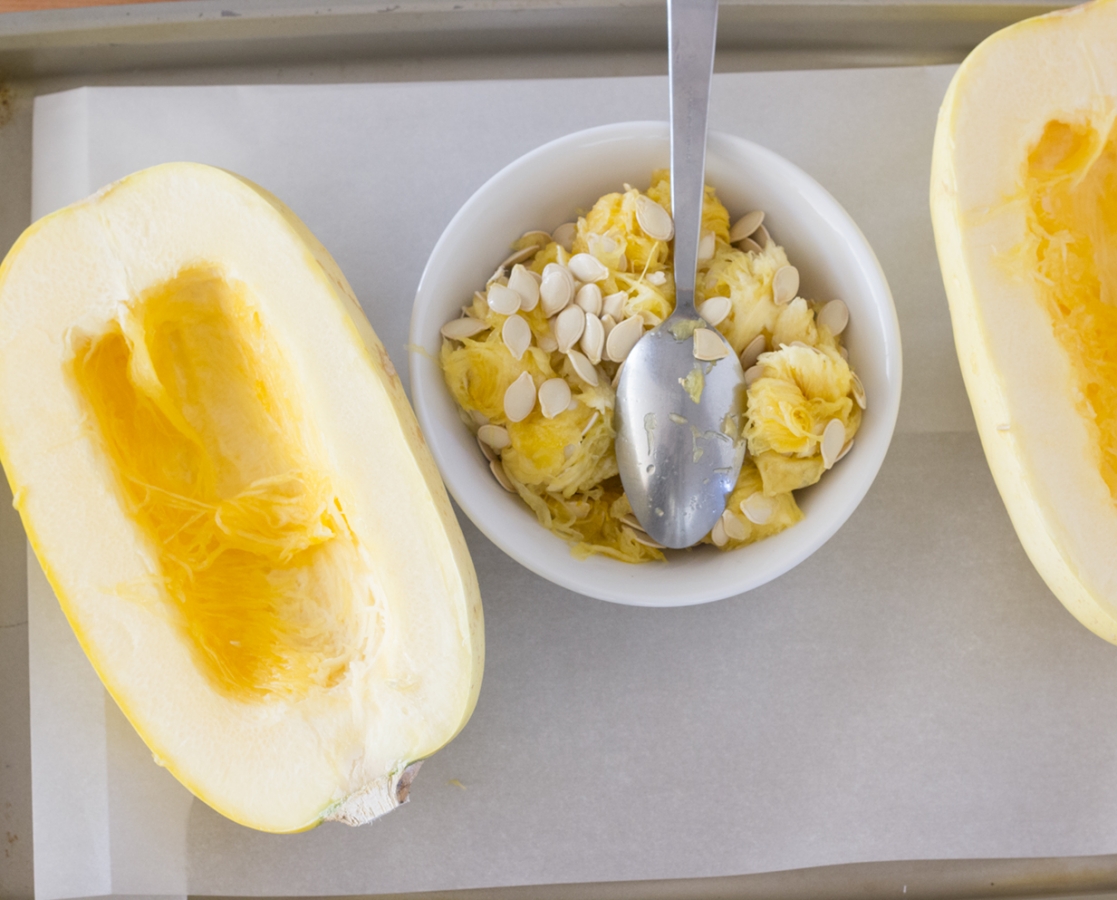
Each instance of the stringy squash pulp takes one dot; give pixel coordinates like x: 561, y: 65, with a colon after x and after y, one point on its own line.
x: 1024, y: 201
x: 220, y: 474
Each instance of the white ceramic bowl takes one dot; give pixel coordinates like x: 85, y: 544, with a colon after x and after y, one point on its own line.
x: 548, y: 187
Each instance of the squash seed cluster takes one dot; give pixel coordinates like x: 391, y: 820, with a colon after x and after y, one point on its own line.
x: 534, y: 359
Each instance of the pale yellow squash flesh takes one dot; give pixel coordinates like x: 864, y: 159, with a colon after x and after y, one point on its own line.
x: 220, y: 474
x: 1024, y: 204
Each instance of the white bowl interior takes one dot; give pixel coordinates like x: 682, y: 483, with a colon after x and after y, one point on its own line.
x: 550, y: 186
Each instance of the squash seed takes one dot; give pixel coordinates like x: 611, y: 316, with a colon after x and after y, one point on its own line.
x: 554, y: 397
x: 583, y: 368
x: 757, y: 508
x: 752, y: 351
x: 613, y: 305
x: 845, y: 450
x: 499, y: 474
x: 608, y: 323
x: 706, y: 246
x: 632, y: 522
x: 478, y: 417
x: 858, y: 391
x: 593, y: 421
x: 547, y: 343
x: 752, y: 373
x: 569, y: 326
x: 503, y: 299
x: 617, y: 375
x: 715, y: 310
x: 734, y: 528
x: 494, y: 436
x: 785, y: 285
x: 835, y: 316
x: 556, y: 289
x: 519, y: 256
x: 748, y: 245
x: 593, y: 339
x: 654, y: 219
x: 746, y: 225
x: 641, y: 538
x: 587, y: 268
x: 718, y: 535
x: 490, y: 455
x: 843, y: 353
x: 517, y: 335
x: 623, y: 338
x: 833, y: 439
x: 564, y: 235
x: 519, y: 399
x: 540, y: 238
x: 761, y: 237
x: 524, y: 284
x: 589, y: 298
x: 459, y: 329
x: 709, y: 345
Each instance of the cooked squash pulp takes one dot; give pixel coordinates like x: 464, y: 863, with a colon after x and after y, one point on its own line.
x: 1071, y: 185
x: 219, y: 470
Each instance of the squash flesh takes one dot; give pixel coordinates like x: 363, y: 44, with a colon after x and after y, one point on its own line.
x: 202, y: 433
x: 1071, y: 187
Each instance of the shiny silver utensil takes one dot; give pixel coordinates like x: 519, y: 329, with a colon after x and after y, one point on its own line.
x: 679, y: 412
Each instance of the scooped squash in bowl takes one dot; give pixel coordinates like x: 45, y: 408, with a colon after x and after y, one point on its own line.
x: 220, y: 474
x: 1024, y: 204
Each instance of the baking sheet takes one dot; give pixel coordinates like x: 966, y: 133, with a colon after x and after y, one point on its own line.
x: 911, y: 691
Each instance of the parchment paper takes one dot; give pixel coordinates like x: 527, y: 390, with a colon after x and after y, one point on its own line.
x: 911, y: 691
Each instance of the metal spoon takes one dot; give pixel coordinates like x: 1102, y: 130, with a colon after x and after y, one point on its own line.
x: 679, y: 450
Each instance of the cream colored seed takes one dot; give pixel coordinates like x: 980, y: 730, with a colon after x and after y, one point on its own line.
x: 588, y: 268
x: 654, y: 219
x: 499, y: 474
x: 608, y: 323
x: 490, y: 455
x: 519, y: 256
x: 547, y: 343
x: 715, y: 310
x: 845, y: 450
x: 503, y: 299
x: 623, y: 338
x: 494, y: 436
x: 564, y: 235
x: 589, y: 298
x: 657, y: 278
x: 478, y: 417
x: 706, y: 246
x: 519, y: 399
x: 517, y: 335
x: 709, y: 345
x: 844, y: 353
x: 583, y: 368
x: 522, y: 282
x: 752, y: 373
x: 630, y: 520
x: 762, y: 237
x: 556, y: 289
x: 569, y: 326
x: 752, y: 351
x: 858, y: 391
x: 758, y: 509
x: 718, y: 535
x: 835, y: 316
x: 613, y: 305
x: 641, y: 538
x: 591, y: 423
x: 785, y: 285
x: 833, y: 439
x: 734, y: 528
x: 554, y: 397
x: 593, y: 339
x: 539, y: 238
x: 750, y: 246
x: 746, y: 225
x: 617, y: 376
x: 459, y: 329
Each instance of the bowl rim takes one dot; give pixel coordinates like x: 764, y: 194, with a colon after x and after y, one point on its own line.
x: 885, y: 409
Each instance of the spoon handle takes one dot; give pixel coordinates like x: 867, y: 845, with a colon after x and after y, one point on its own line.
x: 691, y: 32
